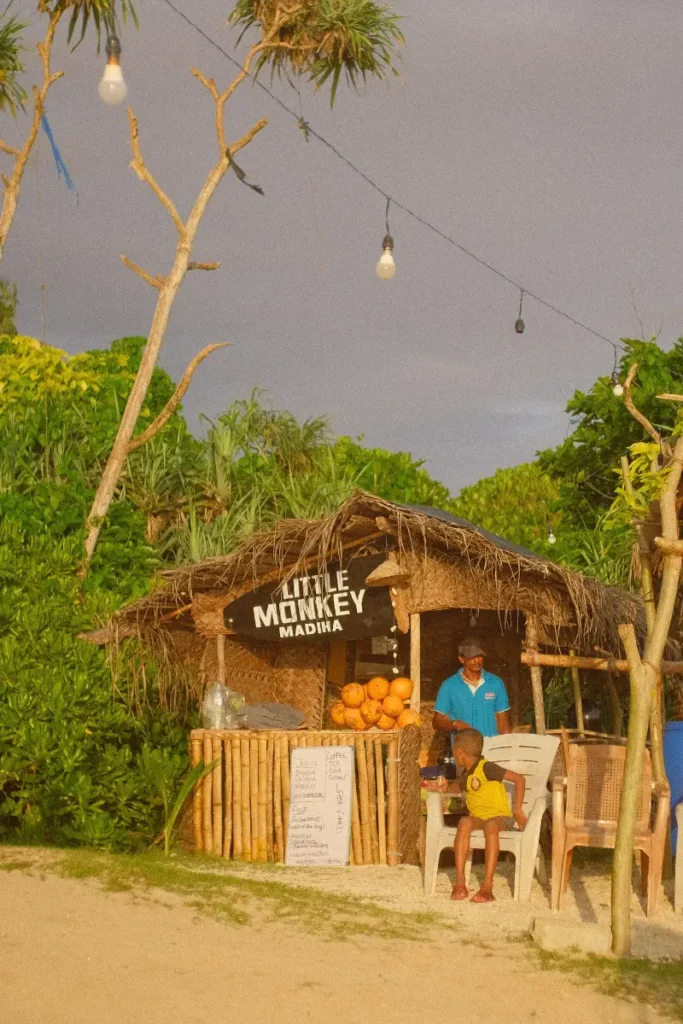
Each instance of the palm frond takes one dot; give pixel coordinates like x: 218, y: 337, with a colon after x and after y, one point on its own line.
x: 102, y: 14
x: 324, y: 39
x: 12, y: 95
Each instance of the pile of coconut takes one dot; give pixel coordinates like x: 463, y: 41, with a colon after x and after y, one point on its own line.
x: 379, y: 704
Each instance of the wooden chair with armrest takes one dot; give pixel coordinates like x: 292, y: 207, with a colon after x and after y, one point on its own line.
x: 586, y: 809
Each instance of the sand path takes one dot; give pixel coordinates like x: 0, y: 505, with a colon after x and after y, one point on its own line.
x: 71, y: 953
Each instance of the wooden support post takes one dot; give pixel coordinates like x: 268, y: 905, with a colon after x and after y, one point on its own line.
x: 415, y: 660
x: 220, y: 657
x: 536, y: 677
x: 578, y: 699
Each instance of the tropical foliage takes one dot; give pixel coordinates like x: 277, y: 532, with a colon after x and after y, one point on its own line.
x: 12, y: 93
x: 76, y: 765
x: 584, y: 464
x: 324, y: 39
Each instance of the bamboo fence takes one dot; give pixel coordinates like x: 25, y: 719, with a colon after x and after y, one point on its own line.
x: 240, y: 810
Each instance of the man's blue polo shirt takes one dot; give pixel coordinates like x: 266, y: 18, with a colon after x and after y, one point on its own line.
x: 478, y: 709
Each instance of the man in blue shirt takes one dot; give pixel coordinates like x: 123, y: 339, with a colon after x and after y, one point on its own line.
x: 472, y: 698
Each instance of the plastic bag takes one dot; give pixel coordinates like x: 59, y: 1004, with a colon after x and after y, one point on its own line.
x: 220, y: 707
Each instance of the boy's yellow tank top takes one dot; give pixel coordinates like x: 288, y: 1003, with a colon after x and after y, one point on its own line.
x: 486, y: 799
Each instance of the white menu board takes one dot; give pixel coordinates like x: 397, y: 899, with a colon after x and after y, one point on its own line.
x: 319, y: 832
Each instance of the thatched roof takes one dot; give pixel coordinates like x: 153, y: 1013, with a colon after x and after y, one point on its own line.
x: 363, y: 523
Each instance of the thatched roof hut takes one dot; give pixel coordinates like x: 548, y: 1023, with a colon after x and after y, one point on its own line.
x: 450, y: 578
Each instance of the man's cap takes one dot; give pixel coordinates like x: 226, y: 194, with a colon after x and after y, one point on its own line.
x: 471, y: 649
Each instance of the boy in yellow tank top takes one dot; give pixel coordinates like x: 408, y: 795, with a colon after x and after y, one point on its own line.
x: 489, y: 809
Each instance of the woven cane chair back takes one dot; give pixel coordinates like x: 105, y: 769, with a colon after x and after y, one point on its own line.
x: 595, y: 777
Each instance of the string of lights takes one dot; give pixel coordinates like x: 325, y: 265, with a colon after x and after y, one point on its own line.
x: 386, y: 267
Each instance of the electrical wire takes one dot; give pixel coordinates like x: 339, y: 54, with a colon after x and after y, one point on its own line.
x: 310, y: 131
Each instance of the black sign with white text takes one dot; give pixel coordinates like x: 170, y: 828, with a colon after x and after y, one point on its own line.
x: 335, y: 604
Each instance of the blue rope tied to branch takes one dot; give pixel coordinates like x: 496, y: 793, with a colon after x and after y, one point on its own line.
x: 62, y: 169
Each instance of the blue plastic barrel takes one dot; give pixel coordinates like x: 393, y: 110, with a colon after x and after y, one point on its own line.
x: 673, y: 759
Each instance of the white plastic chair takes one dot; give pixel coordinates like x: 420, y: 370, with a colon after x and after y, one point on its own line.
x: 528, y: 755
x: 678, y: 883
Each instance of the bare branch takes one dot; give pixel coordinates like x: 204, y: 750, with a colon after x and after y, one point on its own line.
x: 637, y: 415
x: 175, y: 398
x: 143, y: 173
x: 247, y: 137
x: 671, y: 398
x: 154, y: 282
x: 13, y: 182
x: 11, y: 150
x: 203, y: 266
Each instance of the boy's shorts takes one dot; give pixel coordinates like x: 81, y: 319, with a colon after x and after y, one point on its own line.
x: 504, y: 824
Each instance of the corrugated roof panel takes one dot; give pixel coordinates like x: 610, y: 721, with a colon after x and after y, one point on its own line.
x: 448, y: 517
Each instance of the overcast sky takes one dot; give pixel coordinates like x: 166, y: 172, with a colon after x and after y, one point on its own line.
x: 545, y: 136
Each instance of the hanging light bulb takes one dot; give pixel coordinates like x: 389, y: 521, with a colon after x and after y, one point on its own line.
x: 386, y: 267
x: 112, y: 89
x: 617, y: 388
x: 519, y: 323
x: 552, y: 539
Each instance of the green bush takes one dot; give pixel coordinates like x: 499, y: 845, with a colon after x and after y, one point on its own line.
x: 72, y: 764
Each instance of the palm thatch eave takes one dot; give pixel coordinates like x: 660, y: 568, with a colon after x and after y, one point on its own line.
x: 366, y: 521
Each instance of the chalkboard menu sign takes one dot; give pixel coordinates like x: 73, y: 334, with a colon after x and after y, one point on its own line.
x: 334, y: 604
x: 319, y: 830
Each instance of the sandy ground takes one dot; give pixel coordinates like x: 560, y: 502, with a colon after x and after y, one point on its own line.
x: 71, y: 953
x: 587, y: 899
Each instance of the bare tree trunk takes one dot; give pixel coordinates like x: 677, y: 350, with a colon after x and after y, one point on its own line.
x: 168, y: 289
x: 12, y: 182
x: 643, y: 675
x: 641, y: 690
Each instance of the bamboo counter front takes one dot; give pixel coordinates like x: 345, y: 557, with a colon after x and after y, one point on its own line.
x: 240, y: 810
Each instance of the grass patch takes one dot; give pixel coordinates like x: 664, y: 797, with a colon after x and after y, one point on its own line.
x: 235, y: 898
x: 644, y: 981
x: 15, y: 865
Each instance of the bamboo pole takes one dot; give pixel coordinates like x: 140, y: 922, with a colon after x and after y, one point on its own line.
x: 531, y: 658
x: 279, y: 851
x: 536, y: 676
x: 284, y: 763
x: 578, y: 699
x: 393, y: 852
x: 237, y: 848
x: 244, y: 798
x: 227, y: 797
x: 197, y: 800
x: 270, y: 750
x: 372, y: 797
x: 638, y: 719
x: 356, y: 838
x: 415, y: 662
x: 262, y: 798
x: 220, y: 657
x: 206, y: 786
x: 363, y: 799
x: 253, y: 796
x: 381, y: 802
x: 217, y: 796
x: 615, y: 706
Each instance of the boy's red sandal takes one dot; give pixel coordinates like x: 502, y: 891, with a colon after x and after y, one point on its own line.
x: 459, y: 892
x: 483, y: 896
